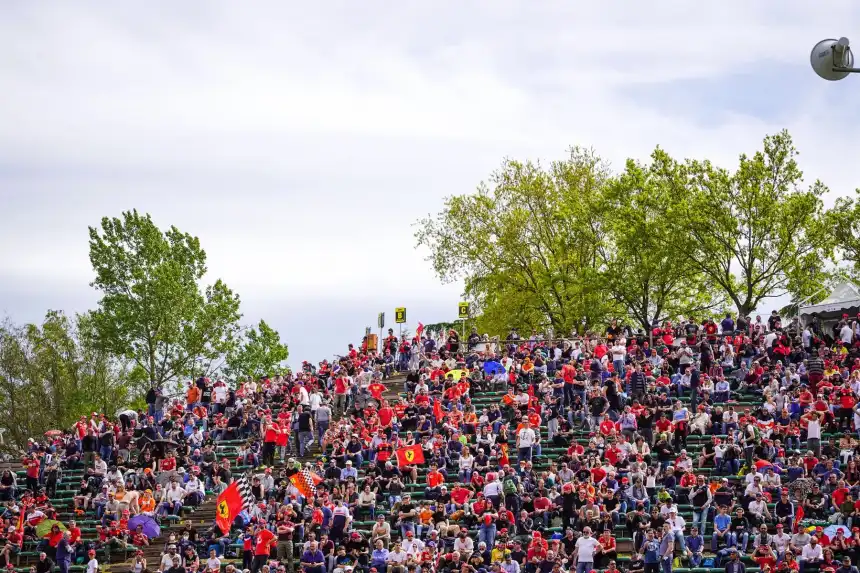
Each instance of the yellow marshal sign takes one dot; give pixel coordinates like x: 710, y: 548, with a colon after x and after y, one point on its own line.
x: 463, y: 310
x: 400, y: 315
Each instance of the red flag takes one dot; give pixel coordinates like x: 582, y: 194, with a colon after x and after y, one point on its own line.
x: 230, y: 504
x: 306, y: 482
x: 24, y: 506
x: 410, y: 455
x: 798, y: 515
x: 503, y: 459
x: 437, y: 410
x: 419, y: 330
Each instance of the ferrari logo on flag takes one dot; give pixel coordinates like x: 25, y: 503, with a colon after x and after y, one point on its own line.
x: 223, y: 510
x: 410, y: 455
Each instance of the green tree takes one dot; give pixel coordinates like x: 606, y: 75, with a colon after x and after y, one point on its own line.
x: 52, y: 373
x: 260, y: 353
x: 153, y: 310
x: 526, y: 244
x: 643, y: 269
x: 843, y: 222
x: 755, y: 233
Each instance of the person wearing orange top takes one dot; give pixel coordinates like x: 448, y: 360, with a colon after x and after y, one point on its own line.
x: 192, y: 397
x: 147, y: 503
x: 434, y: 480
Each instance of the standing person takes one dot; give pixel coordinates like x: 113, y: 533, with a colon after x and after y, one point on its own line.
x: 526, y: 438
x: 651, y: 552
x: 694, y: 386
x: 322, y: 418
x: 65, y: 552
x: 584, y: 551
x: 667, y: 548
x: 813, y: 434
x: 305, y: 429
x: 285, y: 544
x: 264, y: 541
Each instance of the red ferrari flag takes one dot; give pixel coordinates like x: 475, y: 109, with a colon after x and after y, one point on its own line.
x: 420, y: 330
x: 410, y: 455
x: 231, y: 503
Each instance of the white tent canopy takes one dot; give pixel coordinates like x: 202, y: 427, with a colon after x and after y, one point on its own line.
x: 845, y: 299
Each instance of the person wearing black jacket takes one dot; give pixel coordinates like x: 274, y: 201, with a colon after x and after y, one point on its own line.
x: 784, y: 510
x: 89, y: 447
x: 45, y: 564
x: 740, y: 530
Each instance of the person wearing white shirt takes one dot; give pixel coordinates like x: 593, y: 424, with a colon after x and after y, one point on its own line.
x: 171, y: 500
x: 846, y: 334
x: 509, y: 565
x: 396, y: 556
x: 811, y: 553
x: 464, y: 544
x: 314, y: 400
x: 304, y: 397
x: 758, y: 509
x: 194, y: 491
x: 780, y: 541
x: 526, y: 438
x: 813, y: 435
x: 412, y: 546
x: 618, y: 351
x: 584, y: 550
x: 677, y: 523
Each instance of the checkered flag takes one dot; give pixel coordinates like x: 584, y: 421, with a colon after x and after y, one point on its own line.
x: 244, y: 489
x: 306, y: 482
x: 232, y: 501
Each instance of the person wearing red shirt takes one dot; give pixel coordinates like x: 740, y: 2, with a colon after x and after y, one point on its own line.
x: 460, y: 495
x: 846, y: 409
x: 542, y: 509
x: 74, y: 532
x: 271, y: 430
x: 537, y: 547
x: 434, y: 480
x: 386, y: 415
x: 663, y: 425
x: 32, y: 473
x: 597, y: 474
x: 607, y: 426
x: 613, y: 454
x: 376, y: 389
x: 263, y: 546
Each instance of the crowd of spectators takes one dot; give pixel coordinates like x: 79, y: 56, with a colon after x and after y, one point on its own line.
x: 729, y: 445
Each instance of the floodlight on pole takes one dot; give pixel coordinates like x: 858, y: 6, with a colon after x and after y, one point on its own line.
x: 832, y: 59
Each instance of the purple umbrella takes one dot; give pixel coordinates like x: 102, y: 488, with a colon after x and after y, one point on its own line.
x: 150, y: 527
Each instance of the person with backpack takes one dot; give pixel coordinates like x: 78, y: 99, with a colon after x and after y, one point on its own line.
x: 511, y: 491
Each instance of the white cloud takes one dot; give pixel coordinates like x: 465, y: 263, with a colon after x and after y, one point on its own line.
x: 301, y: 140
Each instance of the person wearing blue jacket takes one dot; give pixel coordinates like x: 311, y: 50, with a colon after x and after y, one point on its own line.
x: 65, y: 553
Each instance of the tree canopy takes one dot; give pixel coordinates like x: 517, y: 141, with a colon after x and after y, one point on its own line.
x: 53, y: 372
x: 259, y: 353
x: 573, y: 244
x: 153, y: 309
x: 526, y: 243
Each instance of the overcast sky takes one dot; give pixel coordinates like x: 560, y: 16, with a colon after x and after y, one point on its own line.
x: 301, y: 140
